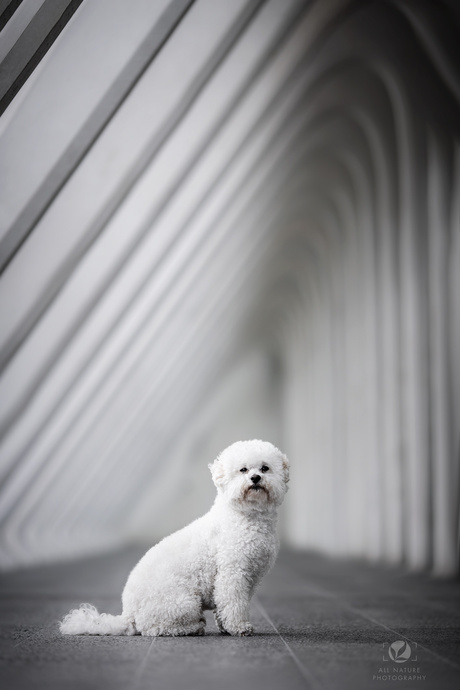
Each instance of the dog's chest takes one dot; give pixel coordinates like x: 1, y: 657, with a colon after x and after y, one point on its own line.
x: 248, y: 547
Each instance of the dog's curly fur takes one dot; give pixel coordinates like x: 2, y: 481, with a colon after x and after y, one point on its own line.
x: 214, y: 563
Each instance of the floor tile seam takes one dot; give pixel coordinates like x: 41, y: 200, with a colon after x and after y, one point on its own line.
x: 434, y: 607
x: 406, y: 594
x: 330, y: 595
x: 441, y: 658
x: 140, y: 671
x: 306, y: 674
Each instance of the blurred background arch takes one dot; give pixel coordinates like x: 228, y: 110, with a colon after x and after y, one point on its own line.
x: 227, y: 220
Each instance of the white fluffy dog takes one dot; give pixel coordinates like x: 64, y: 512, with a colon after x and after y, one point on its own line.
x: 214, y: 563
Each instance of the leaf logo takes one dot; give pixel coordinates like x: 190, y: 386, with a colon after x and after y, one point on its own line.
x: 399, y: 651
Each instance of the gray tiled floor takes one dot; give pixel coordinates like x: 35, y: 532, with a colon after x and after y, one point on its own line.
x: 319, y: 623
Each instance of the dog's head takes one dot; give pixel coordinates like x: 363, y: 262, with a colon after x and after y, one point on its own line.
x: 251, y: 475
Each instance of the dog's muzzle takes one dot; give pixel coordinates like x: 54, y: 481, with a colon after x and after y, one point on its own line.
x: 255, y: 486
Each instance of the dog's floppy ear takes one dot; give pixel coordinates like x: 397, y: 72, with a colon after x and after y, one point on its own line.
x: 285, y: 469
x: 217, y: 473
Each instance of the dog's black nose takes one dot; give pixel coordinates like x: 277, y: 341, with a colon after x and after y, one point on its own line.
x: 255, y: 478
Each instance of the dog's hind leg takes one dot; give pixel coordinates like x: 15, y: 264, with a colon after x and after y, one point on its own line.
x: 176, y: 631
x: 182, y: 617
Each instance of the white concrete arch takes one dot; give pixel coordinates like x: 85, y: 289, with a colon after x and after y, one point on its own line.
x: 290, y: 196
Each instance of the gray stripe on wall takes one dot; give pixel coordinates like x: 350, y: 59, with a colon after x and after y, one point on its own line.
x: 32, y: 45
x: 90, y: 131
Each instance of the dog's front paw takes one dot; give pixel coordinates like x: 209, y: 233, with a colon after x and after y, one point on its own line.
x: 219, y: 624
x: 243, y: 630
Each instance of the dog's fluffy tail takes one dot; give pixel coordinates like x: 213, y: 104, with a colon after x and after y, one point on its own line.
x: 88, y: 621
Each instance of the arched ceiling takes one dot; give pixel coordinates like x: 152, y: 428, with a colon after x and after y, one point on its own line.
x: 190, y: 192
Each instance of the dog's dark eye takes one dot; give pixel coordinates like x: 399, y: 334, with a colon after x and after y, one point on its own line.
x: 264, y: 468
x: 244, y: 469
